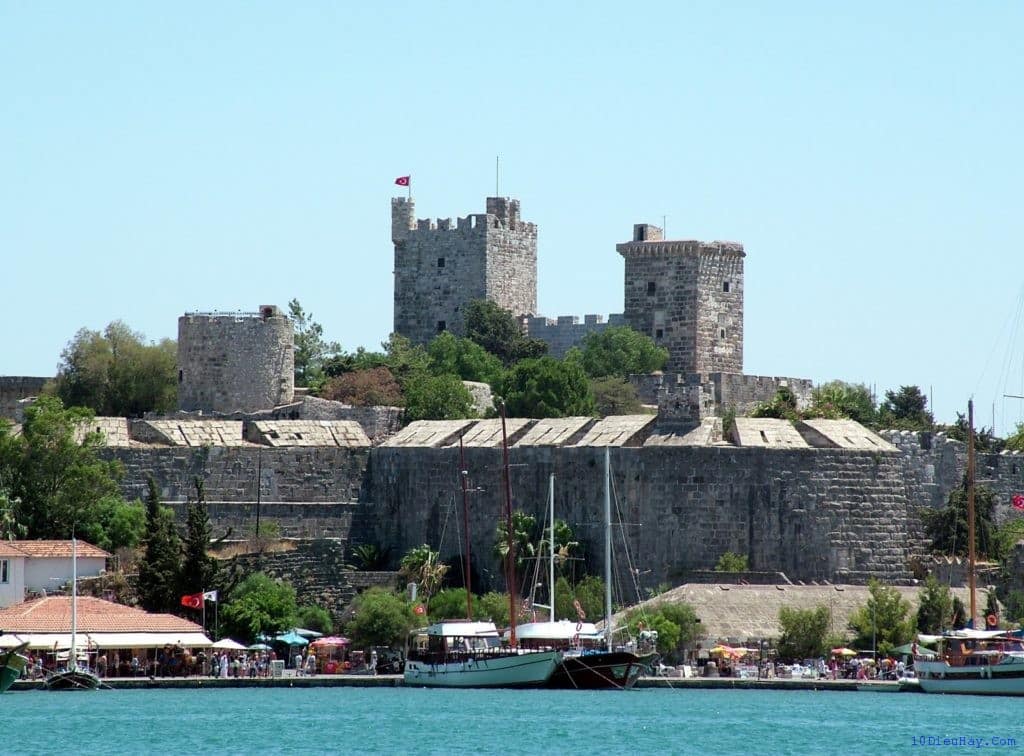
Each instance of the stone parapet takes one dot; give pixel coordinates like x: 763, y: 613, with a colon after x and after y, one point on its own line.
x: 16, y: 392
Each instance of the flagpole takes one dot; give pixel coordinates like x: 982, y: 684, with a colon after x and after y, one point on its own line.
x: 409, y: 187
x: 204, y: 611
x: 497, y: 174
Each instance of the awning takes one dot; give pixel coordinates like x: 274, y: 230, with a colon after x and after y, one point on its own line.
x: 49, y: 641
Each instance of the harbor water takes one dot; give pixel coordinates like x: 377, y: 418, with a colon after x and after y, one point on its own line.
x: 413, y: 721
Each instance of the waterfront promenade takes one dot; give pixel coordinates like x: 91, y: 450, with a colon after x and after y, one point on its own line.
x: 393, y: 681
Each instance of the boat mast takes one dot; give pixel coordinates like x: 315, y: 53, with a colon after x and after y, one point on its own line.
x: 551, y: 547
x: 971, y: 556
x: 73, y: 651
x: 510, y: 577
x: 463, y: 475
x: 607, y: 549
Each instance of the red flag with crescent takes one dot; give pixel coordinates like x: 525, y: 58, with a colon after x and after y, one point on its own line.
x: 193, y: 601
x: 1018, y: 501
x: 403, y: 180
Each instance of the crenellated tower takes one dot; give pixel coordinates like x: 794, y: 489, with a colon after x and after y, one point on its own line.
x: 688, y: 297
x: 440, y: 268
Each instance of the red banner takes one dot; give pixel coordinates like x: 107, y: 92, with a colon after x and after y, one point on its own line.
x: 193, y: 601
x: 1018, y: 501
x: 403, y: 180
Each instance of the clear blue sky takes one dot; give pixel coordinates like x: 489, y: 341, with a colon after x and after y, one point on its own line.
x: 158, y: 159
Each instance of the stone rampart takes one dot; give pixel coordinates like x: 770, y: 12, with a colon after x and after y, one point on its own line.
x: 14, y: 391
x: 566, y: 331
x: 318, y: 571
x: 814, y: 514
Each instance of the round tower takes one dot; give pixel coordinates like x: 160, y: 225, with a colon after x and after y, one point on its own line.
x: 235, y: 362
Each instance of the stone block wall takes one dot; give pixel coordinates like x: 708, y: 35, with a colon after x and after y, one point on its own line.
x: 318, y: 571
x: 814, y: 514
x: 565, y: 332
x: 695, y: 396
x: 688, y: 297
x: 14, y: 390
x: 440, y: 269
x: 235, y: 362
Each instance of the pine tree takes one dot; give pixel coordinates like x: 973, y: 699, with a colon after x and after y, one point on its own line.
x: 161, y: 566
x: 200, y: 571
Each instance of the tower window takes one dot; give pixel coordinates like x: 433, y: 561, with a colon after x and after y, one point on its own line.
x: 181, y: 376
x: 721, y: 333
x: 440, y: 264
x: 725, y: 286
x: 650, y: 287
x: 658, y: 333
x: 441, y: 326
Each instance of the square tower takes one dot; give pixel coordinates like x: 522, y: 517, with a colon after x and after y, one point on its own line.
x: 688, y: 297
x: 439, y: 269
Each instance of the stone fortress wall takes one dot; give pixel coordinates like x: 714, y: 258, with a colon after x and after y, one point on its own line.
x: 440, y: 269
x: 235, y: 362
x: 566, y: 331
x: 812, y: 510
x: 15, y: 392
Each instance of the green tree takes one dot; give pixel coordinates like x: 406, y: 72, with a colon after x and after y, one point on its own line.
x: 906, y: 409
x: 311, y: 349
x: 615, y: 396
x: 159, y: 570
x: 1015, y: 441
x: 59, y: 484
x: 315, y: 618
x: 496, y: 330
x: 442, y: 397
x: 732, y: 562
x: 423, y: 565
x: 935, y: 606
x: 464, y: 358
x: 959, y: 619
x: 451, y: 604
x: 373, y: 387
x: 676, y: 624
x: 524, y: 539
x: 494, y: 606
x: 369, y: 557
x: 10, y: 528
x: 841, y: 399
x: 380, y: 618
x: 199, y: 570
x: 589, y: 592
x: 620, y: 351
x: 803, y: 632
x: 947, y: 527
x: 782, y: 406
x: 259, y: 605
x: 115, y: 373
x: 884, y: 619
x: 546, y: 387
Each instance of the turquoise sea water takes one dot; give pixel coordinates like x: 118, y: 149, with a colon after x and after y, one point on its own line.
x: 397, y: 720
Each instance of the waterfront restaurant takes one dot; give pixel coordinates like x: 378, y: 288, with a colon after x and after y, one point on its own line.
x: 104, y: 628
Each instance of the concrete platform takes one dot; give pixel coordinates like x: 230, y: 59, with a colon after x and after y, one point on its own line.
x: 769, y: 433
x: 619, y: 430
x: 429, y: 433
x: 557, y: 431
x: 842, y: 434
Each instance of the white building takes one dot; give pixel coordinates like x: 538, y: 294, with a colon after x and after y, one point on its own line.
x: 42, y: 567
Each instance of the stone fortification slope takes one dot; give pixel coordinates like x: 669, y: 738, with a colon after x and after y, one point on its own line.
x: 745, y: 613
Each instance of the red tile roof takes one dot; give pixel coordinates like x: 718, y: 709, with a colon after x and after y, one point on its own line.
x: 52, y: 614
x: 57, y: 549
x: 7, y: 549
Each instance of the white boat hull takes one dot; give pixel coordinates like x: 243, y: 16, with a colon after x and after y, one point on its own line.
x: 993, y: 680
x: 525, y: 670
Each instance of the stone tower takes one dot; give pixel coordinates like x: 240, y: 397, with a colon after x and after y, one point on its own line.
x: 440, y: 268
x: 688, y: 297
x: 235, y: 362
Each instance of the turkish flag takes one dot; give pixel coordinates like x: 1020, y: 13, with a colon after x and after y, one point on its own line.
x: 420, y: 610
x: 193, y: 601
x: 403, y: 180
x: 1018, y: 501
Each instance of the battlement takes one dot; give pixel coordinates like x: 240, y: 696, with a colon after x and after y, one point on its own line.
x: 661, y: 247
x: 566, y: 331
x: 502, y: 213
x: 265, y: 312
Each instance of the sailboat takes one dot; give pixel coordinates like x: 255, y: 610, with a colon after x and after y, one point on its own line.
x: 73, y: 676
x: 12, y: 664
x: 589, y: 659
x: 472, y: 654
x: 985, y: 662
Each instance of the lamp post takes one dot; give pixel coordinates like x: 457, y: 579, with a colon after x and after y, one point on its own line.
x: 874, y: 653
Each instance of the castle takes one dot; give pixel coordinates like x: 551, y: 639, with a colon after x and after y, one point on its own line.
x: 687, y: 296
x: 817, y: 501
